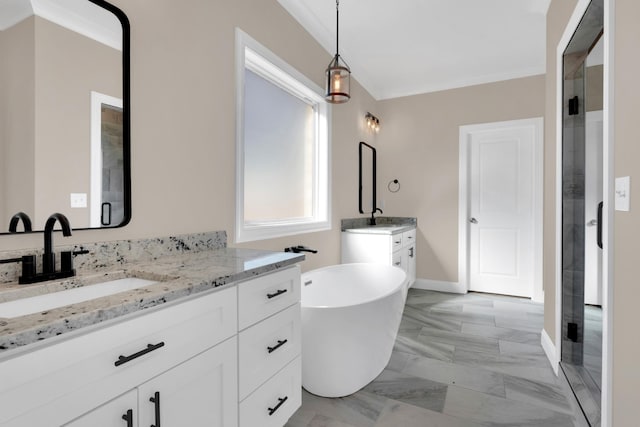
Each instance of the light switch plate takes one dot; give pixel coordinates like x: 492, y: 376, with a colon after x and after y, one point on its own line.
x: 78, y: 200
x: 623, y: 193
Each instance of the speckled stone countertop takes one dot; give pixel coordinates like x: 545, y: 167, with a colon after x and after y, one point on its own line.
x: 177, y: 276
x: 384, y: 225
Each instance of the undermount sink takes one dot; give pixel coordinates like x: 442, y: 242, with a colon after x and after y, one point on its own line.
x: 36, y: 304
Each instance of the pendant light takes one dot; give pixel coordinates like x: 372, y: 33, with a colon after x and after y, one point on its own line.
x: 338, y: 73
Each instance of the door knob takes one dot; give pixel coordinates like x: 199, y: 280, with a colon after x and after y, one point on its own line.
x: 473, y: 221
x: 592, y: 222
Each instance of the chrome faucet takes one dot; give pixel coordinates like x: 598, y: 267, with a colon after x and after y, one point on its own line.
x: 26, y: 221
x: 49, y: 258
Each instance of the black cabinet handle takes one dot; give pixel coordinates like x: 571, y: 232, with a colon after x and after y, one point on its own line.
x: 411, y: 252
x: 278, y: 292
x: 128, y: 417
x: 281, y: 400
x: 156, y: 403
x: 277, y: 346
x: 600, y: 205
x: 150, y: 347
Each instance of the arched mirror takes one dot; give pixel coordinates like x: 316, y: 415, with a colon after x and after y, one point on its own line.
x: 64, y: 113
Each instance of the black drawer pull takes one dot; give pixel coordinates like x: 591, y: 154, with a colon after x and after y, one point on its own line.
x: 156, y: 405
x: 128, y: 417
x: 281, y: 400
x: 277, y: 346
x: 150, y: 347
x: 278, y: 292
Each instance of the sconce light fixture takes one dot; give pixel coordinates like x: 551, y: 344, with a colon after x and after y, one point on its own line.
x: 373, y: 122
x: 338, y: 74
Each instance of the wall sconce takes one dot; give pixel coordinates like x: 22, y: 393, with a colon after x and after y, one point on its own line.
x: 373, y: 122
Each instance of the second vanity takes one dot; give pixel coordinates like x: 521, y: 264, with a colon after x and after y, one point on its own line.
x: 390, y: 241
x: 214, y: 341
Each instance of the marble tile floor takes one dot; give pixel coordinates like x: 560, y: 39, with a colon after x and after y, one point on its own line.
x: 459, y: 361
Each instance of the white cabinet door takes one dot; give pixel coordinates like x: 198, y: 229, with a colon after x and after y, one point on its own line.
x: 410, y: 263
x: 120, y: 412
x: 202, y: 391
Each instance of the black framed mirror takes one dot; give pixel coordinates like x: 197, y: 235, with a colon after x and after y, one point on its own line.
x: 367, y: 178
x: 65, y: 113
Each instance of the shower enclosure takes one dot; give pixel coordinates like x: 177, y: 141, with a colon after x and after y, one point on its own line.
x: 582, y: 179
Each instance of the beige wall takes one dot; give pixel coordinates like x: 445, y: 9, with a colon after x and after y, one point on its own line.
x: 626, y: 292
x: 183, y: 121
x: 419, y: 145
x: 557, y: 17
x: 18, y: 115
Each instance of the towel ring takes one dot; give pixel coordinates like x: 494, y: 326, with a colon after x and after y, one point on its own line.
x: 393, y: 186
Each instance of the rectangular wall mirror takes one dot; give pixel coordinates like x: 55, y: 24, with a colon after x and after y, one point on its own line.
x: 367, y: 178
x: 64, y: 113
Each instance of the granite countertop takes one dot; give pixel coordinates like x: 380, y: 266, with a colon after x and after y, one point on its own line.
x: 176, y: 276
x: 384, y: 225
x: 381, y: 229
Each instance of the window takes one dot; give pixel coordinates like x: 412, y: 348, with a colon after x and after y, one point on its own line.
x: 282, y: 183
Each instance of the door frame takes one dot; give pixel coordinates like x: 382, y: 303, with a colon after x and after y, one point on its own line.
x: 464, y: 193
x: 606, y: 401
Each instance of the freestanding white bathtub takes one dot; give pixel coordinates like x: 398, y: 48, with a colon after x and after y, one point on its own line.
x: 350, y: 319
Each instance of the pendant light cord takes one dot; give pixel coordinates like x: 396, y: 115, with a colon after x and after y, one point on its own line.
x: 337, y: 27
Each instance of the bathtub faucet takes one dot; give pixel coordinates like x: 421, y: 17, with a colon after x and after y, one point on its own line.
x: 300, y: 248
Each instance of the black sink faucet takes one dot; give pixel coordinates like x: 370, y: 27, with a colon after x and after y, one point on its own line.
x: 26, y: 221
x: 49, y: 258
x: 372, y: 221
x: 300, y: 248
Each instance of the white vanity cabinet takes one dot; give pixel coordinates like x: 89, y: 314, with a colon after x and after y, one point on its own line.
x: 198, y: 392
x: 175, y: 365
x: 269, y: 346
x: 116, y: 412
x: 388, y: 245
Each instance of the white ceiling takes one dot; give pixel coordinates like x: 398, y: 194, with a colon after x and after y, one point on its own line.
x: 406, y: 47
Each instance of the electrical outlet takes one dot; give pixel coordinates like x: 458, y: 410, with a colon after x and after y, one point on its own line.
x: 78, y: 200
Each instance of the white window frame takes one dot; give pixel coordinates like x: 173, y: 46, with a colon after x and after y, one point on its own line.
x: 253, y: 56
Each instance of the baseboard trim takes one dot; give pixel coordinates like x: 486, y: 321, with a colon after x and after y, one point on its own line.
x: 550, y: 350
x: 440, y: 286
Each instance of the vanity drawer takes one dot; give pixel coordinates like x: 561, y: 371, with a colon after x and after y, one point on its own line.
x: 261, y: 407
x: 396, y: 260
x: 409, y: 237
x: 176, y: 333
x: 396, y: 241
x: 267, y: 347
x: 266, y: 295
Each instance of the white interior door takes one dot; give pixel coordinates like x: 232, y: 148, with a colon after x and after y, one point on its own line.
x: 501, y: 210
x: 592, y: 196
